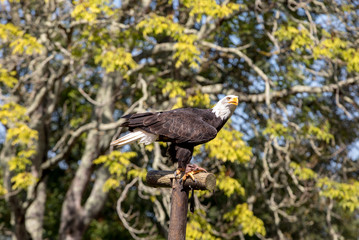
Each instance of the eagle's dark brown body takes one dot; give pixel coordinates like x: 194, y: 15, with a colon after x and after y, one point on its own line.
x: 184, y: 128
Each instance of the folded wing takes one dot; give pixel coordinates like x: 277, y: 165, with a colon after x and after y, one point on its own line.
x: 178, y: 126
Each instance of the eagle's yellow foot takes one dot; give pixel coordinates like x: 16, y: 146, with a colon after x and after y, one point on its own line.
x: 178, y: 171
x: 192, y: 169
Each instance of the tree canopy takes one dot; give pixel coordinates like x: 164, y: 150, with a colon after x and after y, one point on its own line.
x: 287, y: 164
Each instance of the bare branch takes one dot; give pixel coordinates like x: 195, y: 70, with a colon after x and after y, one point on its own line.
x: 121, y: 214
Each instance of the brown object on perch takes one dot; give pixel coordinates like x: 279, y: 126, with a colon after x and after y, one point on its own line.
x: 204, y: 181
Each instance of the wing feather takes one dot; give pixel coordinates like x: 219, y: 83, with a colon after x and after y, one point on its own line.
x: 179, y: 126
x: 183, y: 127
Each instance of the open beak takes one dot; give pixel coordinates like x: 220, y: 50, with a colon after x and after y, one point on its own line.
x: 234, y: 101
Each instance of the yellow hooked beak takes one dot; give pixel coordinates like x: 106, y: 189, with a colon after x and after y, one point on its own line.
x: 234, y: 101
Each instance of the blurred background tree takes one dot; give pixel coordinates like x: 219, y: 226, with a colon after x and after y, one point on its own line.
x: 286, y: 166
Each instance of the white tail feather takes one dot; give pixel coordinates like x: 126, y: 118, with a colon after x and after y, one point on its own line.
x: 138, y: 134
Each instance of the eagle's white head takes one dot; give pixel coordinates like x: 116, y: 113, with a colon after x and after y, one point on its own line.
x: 225, y: 107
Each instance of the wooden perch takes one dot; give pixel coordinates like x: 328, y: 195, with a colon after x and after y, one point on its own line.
x: 179, y: 209
x: 179, y: 197
x: 204, y: 181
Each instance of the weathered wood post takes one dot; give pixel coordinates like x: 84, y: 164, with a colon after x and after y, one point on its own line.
x: 179, y: 197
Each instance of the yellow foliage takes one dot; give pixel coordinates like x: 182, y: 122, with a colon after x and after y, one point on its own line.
x: 110, y: 183
x: 11, y: 113
x: 210, y: 8
x: 334, y: 47
x: 160, y: 25
x: 116, y: 161
x: 174, y: 89
x: 90, y: 10
x: 149, y: 147
x: 7, y: 78
x: 321, y: 133
x: 351, y: 57
x: 94, y: 37
x: 179, y: 103
x: 198, y: 100
x: 117, y: 164
x: 3, y: 191
x: 303, y: 173
x: 18, y: 163
x: 76, y: 121
x: 117, y: 59
x: 347, y: 194
x: 21, y: 42
x: 250, y: 224
x: 137, y: 172
x: 300, y: 37
x: 229, y: 146
x: 330, y: 48
x: 198, y: 150
x: 21, y: 134
x: 152, y: 198
x: 198, y: 228
x: 277, y: 130
x: 229, y: 185
x: 22, y: 180
x: 186, y: 51
x: 18, y: 133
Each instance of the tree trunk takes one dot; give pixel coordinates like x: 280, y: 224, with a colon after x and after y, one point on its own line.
x: 72, y: 224
x: 34, y: 217
x: 75, y: 218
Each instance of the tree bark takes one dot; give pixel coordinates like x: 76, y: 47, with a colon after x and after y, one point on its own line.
x: 72, y: 224
x: 34, y: 217
x: 76, y: 217
x: 204, y: 181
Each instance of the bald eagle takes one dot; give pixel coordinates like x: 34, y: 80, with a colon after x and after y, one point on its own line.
x: 184, y: 128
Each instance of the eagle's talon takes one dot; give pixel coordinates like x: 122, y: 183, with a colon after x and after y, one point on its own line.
x: 192, y: 169
x: 178, y: 172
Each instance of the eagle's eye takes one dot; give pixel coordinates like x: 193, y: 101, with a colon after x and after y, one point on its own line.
x: 228, y: 98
